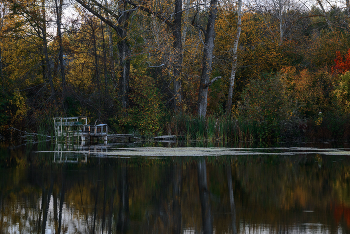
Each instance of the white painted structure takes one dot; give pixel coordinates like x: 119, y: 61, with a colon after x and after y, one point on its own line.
x: 70, y: 128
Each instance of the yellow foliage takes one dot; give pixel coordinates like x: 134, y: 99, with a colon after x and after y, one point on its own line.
x: 20, y: 54
x: 342, y: 92
x: 145, y: 112
x: 20, y: 103
x: 311, y: 92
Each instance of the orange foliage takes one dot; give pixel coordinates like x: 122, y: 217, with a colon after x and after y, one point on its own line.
x: 310, y: 91
x: 341, y: 65
x: 342, y: 211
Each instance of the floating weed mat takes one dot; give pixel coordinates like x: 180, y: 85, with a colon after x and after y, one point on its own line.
x: 218, y: 151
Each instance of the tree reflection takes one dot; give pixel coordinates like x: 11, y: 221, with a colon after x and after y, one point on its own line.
x: 111, y: 210
x: 46, y: 204
x: 97, y: 189
x: 177, y: 174
x: 232, y: 200
x: 207, y: 218
x: 123, y: 190
x: 63, y: 188
x: 172, y: 195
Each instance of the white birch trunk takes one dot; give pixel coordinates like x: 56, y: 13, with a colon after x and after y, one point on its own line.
x: 207, y: 61
x: 280, y: 15
x: 235, y: 56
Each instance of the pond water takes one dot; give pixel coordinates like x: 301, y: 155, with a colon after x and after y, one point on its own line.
x: 128, y: 189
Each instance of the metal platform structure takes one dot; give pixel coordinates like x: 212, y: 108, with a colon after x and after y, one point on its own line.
x: 76, y: 129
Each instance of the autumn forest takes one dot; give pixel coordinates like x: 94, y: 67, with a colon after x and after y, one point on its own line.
x: 270, y: 70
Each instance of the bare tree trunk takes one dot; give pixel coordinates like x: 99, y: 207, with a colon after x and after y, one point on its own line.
x: 207, y: 218
x: 123, y: 47
x: 178, y: 54
x: 48, y: 74
x: 207, y: 60
x: 235, y: 55
x: 111, y: 52
x: 124, y: 56
x: 187, y: 12
x: 104, y: 59
x: 325, y: 15
x: 280, y: 16
x: 97, y: 71
x: 60, y: 55
x: 348, y: 7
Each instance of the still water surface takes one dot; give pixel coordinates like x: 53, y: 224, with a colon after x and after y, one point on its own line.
x: 113, y: 189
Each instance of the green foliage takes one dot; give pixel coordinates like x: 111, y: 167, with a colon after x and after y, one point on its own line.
x: 72, y: 106
x: 146, y: 109
x: 4, y: 115
x: 13, y: 109
x: 342, y: 92
x: 264, y: 104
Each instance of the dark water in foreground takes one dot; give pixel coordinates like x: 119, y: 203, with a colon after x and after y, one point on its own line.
x: 101, y: 190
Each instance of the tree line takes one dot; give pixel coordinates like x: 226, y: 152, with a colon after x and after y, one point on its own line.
x: 149, y: 66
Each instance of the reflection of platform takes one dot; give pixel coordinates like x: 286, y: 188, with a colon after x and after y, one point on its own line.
x: 70, y: 153
x: 96, y: 150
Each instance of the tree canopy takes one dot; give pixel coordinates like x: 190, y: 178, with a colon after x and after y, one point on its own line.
x: 134, y: 63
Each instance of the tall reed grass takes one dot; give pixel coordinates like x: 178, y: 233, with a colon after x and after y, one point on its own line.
x: 219, y: 130
x: 222, y: 131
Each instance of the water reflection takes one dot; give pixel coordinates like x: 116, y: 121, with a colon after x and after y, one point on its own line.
x: 207, y: 217
x: 300, y: 193
x: 123, y: 189
x: 232, y: 199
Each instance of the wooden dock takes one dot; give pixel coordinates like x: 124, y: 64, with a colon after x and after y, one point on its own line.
x: 121, y: 138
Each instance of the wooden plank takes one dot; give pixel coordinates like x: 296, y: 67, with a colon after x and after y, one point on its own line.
x: 166, y: 137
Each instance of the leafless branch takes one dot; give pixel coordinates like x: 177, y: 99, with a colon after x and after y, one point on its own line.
x: 212, y: 81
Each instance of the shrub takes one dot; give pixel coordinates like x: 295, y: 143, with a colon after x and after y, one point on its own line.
x: 342, y: 92
x: 145, y: 110
x: 264, y: 104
